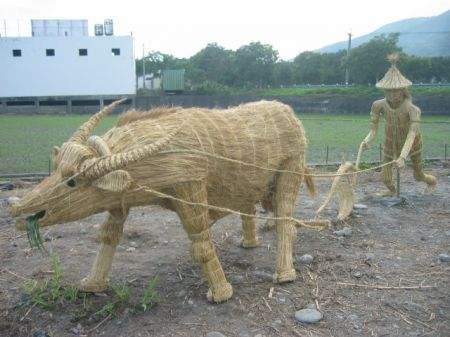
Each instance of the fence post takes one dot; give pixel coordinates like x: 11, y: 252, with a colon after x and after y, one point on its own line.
x: 49, y: 167
x: 398, y: 183
x: 380, y: 154
x: 445, y: 152
x: 326, y: 157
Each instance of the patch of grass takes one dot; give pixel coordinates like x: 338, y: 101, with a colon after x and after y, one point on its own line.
x: 358, y: 90
x: 120, y: 300
x: 51, y: 295
x: 150, y: 296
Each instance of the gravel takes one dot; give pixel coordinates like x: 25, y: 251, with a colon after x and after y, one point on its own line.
x: 215, y: 334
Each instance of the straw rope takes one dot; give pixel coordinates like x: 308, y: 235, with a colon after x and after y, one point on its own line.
x: 324, y: 175
x: 313, y: 224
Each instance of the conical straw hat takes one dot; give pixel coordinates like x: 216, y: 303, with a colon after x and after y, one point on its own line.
x: 393, y: 79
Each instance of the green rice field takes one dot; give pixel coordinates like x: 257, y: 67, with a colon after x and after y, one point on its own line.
x: 26, y: 141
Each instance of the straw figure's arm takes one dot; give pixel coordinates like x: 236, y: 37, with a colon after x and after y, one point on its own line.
x: 414, y: 130
x: 375, y: 113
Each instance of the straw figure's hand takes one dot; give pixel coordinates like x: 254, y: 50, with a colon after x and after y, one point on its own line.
x: 365, y: 145
x: 400, y: 163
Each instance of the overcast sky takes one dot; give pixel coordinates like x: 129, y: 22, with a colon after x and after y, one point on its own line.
x: 183, y: 27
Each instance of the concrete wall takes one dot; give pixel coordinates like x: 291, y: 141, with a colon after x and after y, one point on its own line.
x: 65, y: 105
x: 34, y: 74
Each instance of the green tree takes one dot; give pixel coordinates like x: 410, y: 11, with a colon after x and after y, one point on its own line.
x: 214, y: 64
x: 254, y: 64
x: 156, y: 61
x: 368, y: 61
x: 283, y: 73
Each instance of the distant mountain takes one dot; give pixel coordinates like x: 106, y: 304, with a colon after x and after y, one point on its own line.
x: 418, y: 36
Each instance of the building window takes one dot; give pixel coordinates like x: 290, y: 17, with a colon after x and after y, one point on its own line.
x: 50, y: 52
x: 115, y: 51
x: 17, y: 52
x: 82, y: 52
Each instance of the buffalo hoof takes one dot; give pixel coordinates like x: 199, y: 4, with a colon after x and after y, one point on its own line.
x: 431, y: 184
x: 92, y: 286
x: 285, y: 276
x: 250, y: 243
x: 220, y: 293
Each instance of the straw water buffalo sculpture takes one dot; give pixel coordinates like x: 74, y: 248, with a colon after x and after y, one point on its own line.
x: 195, y: 155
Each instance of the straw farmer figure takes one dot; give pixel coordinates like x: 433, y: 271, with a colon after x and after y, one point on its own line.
x: 402, y: 133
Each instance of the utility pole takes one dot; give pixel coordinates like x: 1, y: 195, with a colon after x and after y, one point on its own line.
x: 347, y: 70
x: 4, y: 24
x: 143, y: 66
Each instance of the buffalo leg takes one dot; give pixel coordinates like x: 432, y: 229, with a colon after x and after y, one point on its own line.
x: 287, y: 187
x: 196, y: 223
x: 110, y: 234
x: 249, y: 239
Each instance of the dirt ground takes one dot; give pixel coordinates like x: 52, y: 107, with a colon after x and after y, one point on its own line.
x: 393, y: 247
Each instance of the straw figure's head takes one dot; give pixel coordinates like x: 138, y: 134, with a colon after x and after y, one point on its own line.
x: 394, y: 84
x: 87, y: 179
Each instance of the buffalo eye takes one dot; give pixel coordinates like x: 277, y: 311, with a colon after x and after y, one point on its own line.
x: 71, y: 183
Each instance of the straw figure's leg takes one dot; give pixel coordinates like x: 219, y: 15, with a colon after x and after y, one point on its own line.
x: 249, y: 239
x: 419, y: 175
x: 109, y: 236
x: 387, y: 172
x: 196, y: 223
x: 287, y: 187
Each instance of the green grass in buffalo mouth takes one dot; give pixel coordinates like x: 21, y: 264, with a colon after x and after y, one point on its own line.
x: 33, y: 233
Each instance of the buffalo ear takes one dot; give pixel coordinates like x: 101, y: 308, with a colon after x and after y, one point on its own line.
x: 55, y: 151
x: 115, y: 181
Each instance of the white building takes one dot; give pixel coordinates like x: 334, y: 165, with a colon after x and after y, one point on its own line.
x: 60, y: 59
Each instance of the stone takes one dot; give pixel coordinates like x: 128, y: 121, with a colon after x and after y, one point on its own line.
x: 133, y: 244
x: 346, y: 231
x: 359, y: 206
x: 215, y: 334
x: 308, y: 316
x: 131, y: 249
x: 447, y: 233
x: 306, y: 259
x: 370, y: 257
x: 357, y: 274
x: 444, y: 257
x: 281, y: 299
x: 12, y: 200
